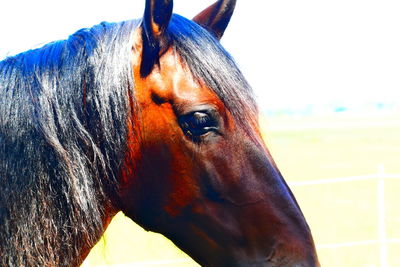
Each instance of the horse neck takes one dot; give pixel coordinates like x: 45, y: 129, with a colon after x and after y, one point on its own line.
x: 53, y: 203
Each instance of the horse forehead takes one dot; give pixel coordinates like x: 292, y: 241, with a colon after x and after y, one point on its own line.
x: 173, y: 81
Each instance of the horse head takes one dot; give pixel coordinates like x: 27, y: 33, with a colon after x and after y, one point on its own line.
x: 196, y: 168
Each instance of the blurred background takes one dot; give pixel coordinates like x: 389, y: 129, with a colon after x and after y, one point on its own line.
x: 327, y: 78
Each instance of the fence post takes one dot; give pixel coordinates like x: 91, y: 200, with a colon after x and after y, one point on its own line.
x: 381, y: 217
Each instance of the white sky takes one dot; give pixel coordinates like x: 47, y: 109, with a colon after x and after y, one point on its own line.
x: 293, y: 52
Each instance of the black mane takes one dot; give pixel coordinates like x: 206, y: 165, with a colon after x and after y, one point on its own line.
x: 62, y: 137
x: 63, y: 115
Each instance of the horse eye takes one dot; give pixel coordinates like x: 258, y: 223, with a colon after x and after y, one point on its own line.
x: 198, y: 123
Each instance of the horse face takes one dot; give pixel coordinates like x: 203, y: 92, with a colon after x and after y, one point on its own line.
x: 195, y: 175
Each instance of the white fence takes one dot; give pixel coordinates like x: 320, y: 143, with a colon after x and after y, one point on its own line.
x: 381, y: 239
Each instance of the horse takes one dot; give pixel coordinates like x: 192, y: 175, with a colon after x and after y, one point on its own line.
x: 151, y: 117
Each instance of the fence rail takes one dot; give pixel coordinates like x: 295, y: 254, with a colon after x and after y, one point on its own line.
x: 345, y: 179
x: 382, y: 240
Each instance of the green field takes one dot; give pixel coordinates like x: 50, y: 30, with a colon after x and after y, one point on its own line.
x: 343, y: 216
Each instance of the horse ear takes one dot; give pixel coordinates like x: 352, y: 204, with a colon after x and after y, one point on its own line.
x: 157, y: 14
x: 216, y: 17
